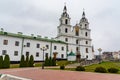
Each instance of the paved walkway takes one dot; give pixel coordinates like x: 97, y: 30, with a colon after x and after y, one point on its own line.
x: 39, y: 74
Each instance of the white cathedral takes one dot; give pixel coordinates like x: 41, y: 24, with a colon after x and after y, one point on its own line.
x: 75, y: 39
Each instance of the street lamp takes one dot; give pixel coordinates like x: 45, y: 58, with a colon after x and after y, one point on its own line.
x: 99, y: 54
x: 43, y: 49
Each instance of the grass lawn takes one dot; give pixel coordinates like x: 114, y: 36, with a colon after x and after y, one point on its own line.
x: 91, y: 68
x: 106, y: 65
x: 38, y: 64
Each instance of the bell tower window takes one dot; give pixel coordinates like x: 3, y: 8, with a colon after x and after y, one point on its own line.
x: 66, y: 30
x: 66, y: 21
x: 86, y: 34
x: 77, y: 42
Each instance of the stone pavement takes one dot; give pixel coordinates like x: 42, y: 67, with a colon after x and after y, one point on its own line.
x: 39, y: 74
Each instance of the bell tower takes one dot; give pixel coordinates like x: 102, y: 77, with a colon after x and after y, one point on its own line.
x: 64, y: 27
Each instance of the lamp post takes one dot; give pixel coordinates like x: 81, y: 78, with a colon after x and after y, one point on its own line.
x: 43, y: 49
x: 99, y: 54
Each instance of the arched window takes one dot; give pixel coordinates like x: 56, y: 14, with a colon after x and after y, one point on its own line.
x: 66, y: 39
x: 86, y: 34
x: 77, y: 42
x: 86, y: 42
x: 77, y: 48
x: 77, y: 33
x: 66, y: 30
x: 66, y: 21
x: 86, y: 50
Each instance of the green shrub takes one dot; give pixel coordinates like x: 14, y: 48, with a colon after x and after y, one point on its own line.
x: 80, y: 68
x: 6, y: 62
x: 113, y: 70
x: 27, y: 61
x: 22, y: 61
x: 31, y: 61
x: 62, y: 67
x: 53, y: 62
x: 100, y: 69
x: 1, y: 62
x: 46, y: 61
x: 50, y: 61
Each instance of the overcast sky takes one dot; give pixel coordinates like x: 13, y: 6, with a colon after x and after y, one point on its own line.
x: 41, y: 17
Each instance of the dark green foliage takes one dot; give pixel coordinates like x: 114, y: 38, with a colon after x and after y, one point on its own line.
x: 100, y: 70
x: 46, y: 62
x: 62, y: 67
x: 113, y: 70
x: 31, y: 61
x: 53, y: 62
x: 80, y: 68
x: 22, y: 61
x: 6, y: 62
x: 50, y: 62
x: 27, y: 61
x: 1, y: 62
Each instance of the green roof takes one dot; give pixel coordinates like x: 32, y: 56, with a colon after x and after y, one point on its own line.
x: 71, y: 54
x: 30, y: 37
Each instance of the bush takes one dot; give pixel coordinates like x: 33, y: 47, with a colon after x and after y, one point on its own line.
x: 31, y: 61
x: 50, y: 61
x: 46, y: 61
x: 6, y: 62
x: 100, y: 69
x: 62, y: 67
x: 22, y: 61
x: 80, y: 68
x: 27, y: 61
x: 1, y: 62
x: 113, y: 70
x: 53, y: 62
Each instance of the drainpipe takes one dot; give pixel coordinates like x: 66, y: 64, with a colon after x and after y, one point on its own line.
x: 50, y: 48
x: 22, y: 46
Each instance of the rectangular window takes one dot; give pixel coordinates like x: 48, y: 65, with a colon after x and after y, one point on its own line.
x: 5, y: 42
x: 16, y: 43
x: 55, y: 47
x: 37, y: 54
x: 27, y: 53
x: 15, y: 53
x: 28, y: 45
x: 47, y: 46
x: 62, y: 48
x: 38, y: 45
x: 4, y: 52
x: 62, y: 56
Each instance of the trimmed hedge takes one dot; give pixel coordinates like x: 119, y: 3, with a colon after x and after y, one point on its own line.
x: 80, y: 68
x: 22, y: 61
x: 31, y: 61
x: 100, y: 70
x: 113, y: 70
x: 1, y: 62
x: 6, y: 62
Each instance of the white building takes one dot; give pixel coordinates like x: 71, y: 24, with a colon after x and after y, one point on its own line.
x: 16, y: 45
x: 76, y: 38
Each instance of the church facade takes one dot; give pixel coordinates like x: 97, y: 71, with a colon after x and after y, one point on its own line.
x: 76, y: 39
